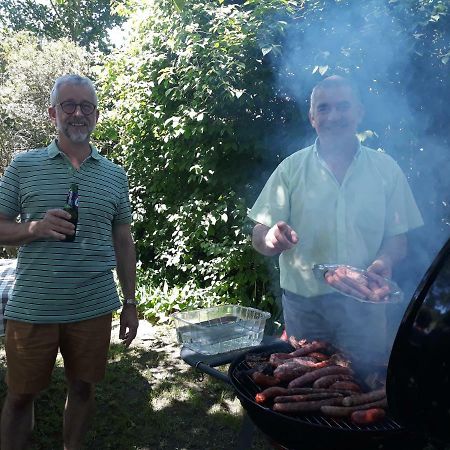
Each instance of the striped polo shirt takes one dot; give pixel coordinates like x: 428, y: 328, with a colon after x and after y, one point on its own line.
x: 60, y: 281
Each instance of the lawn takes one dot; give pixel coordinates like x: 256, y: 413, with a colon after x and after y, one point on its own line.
x: 150, y: 399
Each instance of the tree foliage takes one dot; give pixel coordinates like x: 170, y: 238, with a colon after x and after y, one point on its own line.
x: 190, y: 101
x: 210, y: 96
x: 85, y: 22
x: 28, y: 69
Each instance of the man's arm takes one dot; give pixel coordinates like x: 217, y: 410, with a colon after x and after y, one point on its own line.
x: 273, y: 241
x: 393, y: 250
x: 126, y: 271
x: 54, y: 225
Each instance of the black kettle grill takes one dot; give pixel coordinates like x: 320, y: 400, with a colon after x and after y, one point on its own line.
x: 417, y: 384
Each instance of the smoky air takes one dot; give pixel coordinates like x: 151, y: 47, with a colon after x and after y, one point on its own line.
x: 397, y: 54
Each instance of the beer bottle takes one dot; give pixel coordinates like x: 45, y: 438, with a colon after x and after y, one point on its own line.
x: 71, y: 207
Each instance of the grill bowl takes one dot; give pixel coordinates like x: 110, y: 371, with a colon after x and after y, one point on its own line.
x: 311, y: 431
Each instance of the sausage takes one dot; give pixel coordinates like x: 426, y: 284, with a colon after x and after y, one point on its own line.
x: 318, y: 356
x: 295, y: 367
x: 310, y: 377
x: 296, y: 344
x: 271, y: 392
x: 307, y: 406
x: 328, y: 380
x: 346, y: 411
x: 264, y: 380
x: 368, y: 416
x: 314, y: 346
x: 296, y: 360
x: 305, y: 397
x: 368, y: 286
x: 381, y: 293
x: 276, y: 357
x: 367, y: 397
x: 347, y: 385
x: 379, y: 286
x: 289, y: 372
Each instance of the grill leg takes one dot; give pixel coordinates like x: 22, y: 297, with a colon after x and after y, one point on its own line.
x: 245, y: 437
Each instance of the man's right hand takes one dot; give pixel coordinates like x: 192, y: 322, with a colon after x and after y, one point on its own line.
x: 274, y: 240
x: 54, y: 225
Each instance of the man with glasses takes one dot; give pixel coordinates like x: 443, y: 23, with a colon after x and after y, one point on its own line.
x: 65, y: 292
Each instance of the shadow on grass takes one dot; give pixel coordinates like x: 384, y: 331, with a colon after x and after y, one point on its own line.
x: 145, y: 402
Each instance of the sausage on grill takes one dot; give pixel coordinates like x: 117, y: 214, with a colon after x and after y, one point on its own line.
x: 264, y: 380
x: 306, y: 397
x: 368, y: 416
x: 346, y: 411
x: 314, y: 346
x: 306, y: 406
x: 271, y: 392
x: 367, y: 397
x: 310, y: 377
x: 328, y: 380
x: 348, y: 385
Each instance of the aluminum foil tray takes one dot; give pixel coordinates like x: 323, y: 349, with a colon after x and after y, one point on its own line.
x: 358, y: 284
x: 220, y: 329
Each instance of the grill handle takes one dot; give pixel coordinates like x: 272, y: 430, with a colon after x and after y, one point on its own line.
x: 204, y: 368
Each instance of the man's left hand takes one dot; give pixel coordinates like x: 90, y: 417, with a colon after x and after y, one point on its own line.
x: 129, y: 323
x: 382, y: 267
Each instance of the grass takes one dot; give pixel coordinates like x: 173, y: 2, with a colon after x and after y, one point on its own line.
x: 149, y: 400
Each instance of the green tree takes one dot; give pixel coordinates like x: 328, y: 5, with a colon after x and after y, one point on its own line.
x: 210, y: 96
x: 28, y: 68
x: 189, y: 101
x: 85, y: 22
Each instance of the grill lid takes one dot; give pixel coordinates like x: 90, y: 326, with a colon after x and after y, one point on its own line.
x: 418, y: 378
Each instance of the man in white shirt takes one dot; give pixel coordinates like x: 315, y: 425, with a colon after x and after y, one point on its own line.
x: 335, y: 202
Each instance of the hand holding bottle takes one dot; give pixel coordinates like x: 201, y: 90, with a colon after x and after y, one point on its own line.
x: 54, y: 225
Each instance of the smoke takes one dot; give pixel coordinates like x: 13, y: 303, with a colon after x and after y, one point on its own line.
x: 395, y: 51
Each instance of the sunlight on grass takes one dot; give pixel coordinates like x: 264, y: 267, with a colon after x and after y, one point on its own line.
x: 218, y: 407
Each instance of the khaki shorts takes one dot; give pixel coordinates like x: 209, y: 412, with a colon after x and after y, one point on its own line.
x: 31, y: 351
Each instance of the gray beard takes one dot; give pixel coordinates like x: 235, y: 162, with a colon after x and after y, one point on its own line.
x: 78, y: 138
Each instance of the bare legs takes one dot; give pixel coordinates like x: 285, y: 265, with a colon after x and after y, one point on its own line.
x: 17, y: 421
x: 18, y: 417
x: 77, y: 412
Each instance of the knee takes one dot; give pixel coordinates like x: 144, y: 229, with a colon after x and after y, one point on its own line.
x: 81, y: 389
x: 19, y: 401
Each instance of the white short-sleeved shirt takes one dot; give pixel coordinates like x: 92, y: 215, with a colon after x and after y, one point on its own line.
x: 336, y: 223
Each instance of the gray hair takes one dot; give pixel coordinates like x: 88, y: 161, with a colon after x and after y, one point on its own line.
x: 334, y: 82
x: 70, y: 79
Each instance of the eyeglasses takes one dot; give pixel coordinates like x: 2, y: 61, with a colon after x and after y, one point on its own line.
x: 70, y: 107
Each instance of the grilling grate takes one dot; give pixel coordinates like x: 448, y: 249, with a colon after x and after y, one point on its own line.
x: 250, y: 389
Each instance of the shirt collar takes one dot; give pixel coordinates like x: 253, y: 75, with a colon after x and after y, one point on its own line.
x: 316, y: 152
x: 53, y: 150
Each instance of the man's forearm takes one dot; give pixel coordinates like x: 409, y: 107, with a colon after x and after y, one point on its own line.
x: 259, y: 240
x: 126, y: 271
x: 394, y: 248
x: 16, y: 234
x: 126, y: 268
